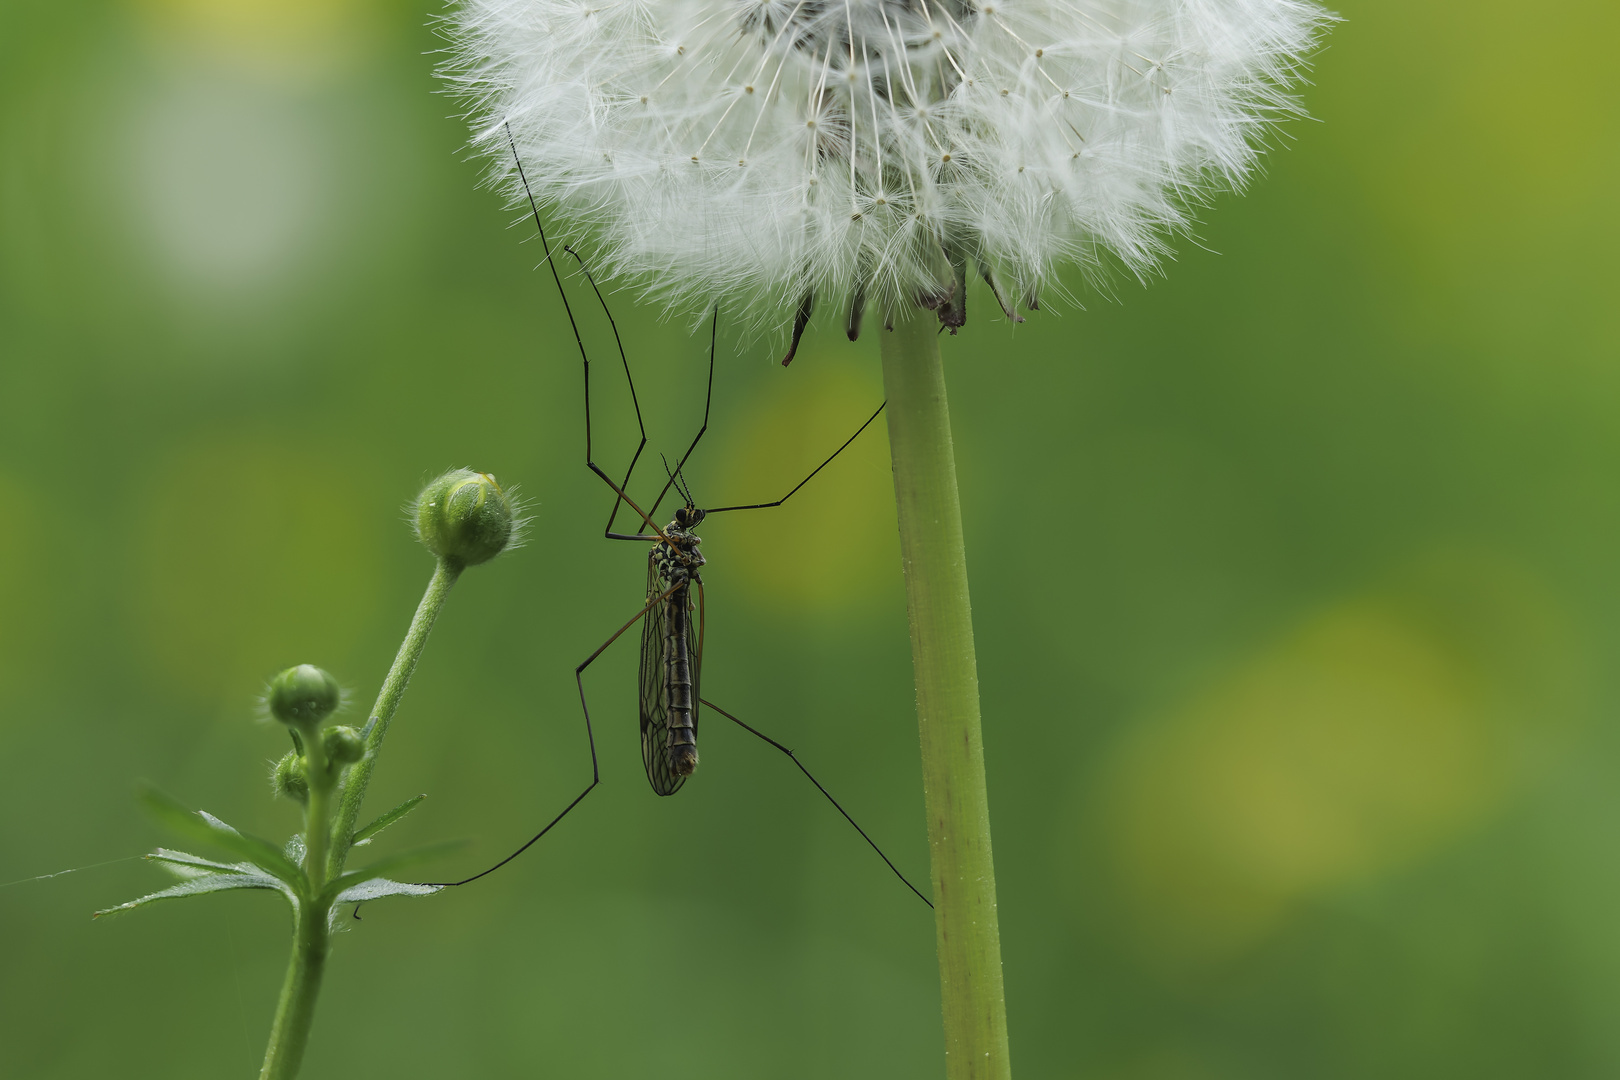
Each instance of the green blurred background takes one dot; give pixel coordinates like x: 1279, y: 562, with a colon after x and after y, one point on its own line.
x: 1295, y: 579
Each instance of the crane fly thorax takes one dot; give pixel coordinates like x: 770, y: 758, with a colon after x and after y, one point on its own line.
x: 677, y: 556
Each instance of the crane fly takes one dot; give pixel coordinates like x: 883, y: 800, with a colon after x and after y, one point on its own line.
x: 672, y: 614
x: 671, y: 654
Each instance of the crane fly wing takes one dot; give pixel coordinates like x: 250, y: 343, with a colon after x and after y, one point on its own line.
x: 654, y: 696
x: 694, y: 649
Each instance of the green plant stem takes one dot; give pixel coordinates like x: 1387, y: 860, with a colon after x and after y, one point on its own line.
x: 382, y: 713
x: 295, y: 1012
x: 327, y: 842
x: 947, y: 680
x: 317, y: 813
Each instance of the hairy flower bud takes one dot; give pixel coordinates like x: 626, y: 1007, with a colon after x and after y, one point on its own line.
x: 464, y: 517
x: 343, y: 744
x: 303, y: 695
x: 289, y: 778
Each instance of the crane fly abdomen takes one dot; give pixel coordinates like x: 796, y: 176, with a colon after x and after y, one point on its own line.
x: 671, y: 658
x: 678, y: 657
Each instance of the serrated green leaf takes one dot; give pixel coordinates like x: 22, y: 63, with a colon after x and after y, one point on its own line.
x: 370, y: 873
x: 184, y: 865
x: 380, y: 887
x: 203, y: 826
x: 364, y: 835
x: 208, y: 883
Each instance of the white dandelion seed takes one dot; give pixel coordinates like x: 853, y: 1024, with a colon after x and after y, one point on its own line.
x: 775, y: 150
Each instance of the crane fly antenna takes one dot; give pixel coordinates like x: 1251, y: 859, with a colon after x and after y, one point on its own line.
x: 682, y: 487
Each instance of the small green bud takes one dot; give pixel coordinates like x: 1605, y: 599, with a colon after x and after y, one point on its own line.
x: 464, y: 517
x: 303, y: 695
x: 289, y: 779
x: 343, y: 744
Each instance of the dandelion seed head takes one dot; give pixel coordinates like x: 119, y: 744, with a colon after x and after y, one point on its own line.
x: 763, y: 149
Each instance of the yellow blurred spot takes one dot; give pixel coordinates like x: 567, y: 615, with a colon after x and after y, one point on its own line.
x: 1375, y: 732
x: 1478, y: 173
x: 288, y: 36
x: 832, y: 547
x: 253, y: 556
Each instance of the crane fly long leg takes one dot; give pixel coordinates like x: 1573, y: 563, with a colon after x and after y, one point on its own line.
x: 812, y: 476
x: 795, y: 759
x: 619, y: 495
x: 545, y: 244
x: 635, y: 401
x: 590, y: 737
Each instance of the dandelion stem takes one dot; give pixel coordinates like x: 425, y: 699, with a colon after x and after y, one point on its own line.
x: 382, y: 713
x: 947, y: 700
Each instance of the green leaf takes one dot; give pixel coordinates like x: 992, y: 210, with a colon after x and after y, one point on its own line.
x: 182, y: 865
x: 203, y: 826
x: 208, y: 883
x: 364, y: 835
x: 380, y: 887
x: 342, y: 884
